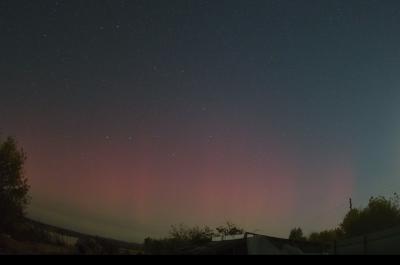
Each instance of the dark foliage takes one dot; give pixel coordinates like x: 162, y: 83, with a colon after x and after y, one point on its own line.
x: 14, y: 186
x: 297, y: 235
x: 380, y: 214
x: 182, y: 237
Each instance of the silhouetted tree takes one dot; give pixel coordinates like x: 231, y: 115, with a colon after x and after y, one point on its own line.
x: 182, y: 237
x: 380, y: 214
x: 327, y: 236
x: 229, y: 229
x: 297, y: 235
x: 194, y: 235
x: 14, y: 186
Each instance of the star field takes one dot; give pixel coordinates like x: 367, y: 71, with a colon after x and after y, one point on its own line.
x: 140, y: 114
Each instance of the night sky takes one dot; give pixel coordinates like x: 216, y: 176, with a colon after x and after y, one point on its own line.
x: 137, y: 115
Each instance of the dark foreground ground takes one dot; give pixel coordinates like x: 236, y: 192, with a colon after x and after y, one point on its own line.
x: 29, y: 237
x: 10, y: 246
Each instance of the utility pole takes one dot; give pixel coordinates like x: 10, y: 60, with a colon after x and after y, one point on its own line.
x: 351, y: 204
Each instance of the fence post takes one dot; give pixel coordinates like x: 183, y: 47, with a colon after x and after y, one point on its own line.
x: 335, y: 247
x: 365, y: 245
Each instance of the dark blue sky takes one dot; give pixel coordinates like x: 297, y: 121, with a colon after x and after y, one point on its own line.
x: 290, y: 105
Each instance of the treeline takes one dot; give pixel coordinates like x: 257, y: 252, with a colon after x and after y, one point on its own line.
x: 381, y: 213
x: 183, y: 237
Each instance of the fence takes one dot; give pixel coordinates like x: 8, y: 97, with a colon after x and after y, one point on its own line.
x: 381, y: 243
